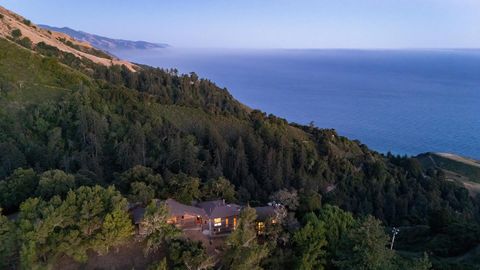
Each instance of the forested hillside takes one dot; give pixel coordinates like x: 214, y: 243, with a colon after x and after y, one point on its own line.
x: 71, y: 128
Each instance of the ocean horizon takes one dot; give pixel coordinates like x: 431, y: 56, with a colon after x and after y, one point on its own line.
x: 402, y: 101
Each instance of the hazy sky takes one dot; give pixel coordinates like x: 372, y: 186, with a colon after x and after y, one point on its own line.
x: 269, y: 23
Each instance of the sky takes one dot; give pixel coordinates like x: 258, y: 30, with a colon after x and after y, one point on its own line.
x: 363, y: 24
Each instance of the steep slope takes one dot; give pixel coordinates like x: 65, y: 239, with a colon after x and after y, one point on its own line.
x: 26, y: 77
x: 105, y: 43
x: 456, y: 168
x: 15, y: 27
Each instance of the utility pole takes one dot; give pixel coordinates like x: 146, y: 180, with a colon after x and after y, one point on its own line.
x: 395, y: 231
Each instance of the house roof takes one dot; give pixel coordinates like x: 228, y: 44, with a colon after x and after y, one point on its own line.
x: 178, y: 209
x: 265, y: 212
x: 219, y: 209
x: 225, y: 211
x: 208, y: 209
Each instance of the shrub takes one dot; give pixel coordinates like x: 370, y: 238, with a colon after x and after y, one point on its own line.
x: 1, y: 16
x: 16, y: 33
x: 27, y: 22
x: 25, y: 42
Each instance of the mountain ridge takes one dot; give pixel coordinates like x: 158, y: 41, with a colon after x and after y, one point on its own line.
x: 105, y: 43
x: 16, y: 28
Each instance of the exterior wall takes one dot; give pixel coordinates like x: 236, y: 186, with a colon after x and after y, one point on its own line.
x: 186, y: 221
x: 226, y: 225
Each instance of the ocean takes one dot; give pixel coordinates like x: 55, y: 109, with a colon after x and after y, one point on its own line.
x: 402, y: 101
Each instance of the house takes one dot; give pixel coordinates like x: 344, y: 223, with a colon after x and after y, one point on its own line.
x: 185, y: 216
x: 222, y: 217
x: 213, y: 218
x: 270, y: 213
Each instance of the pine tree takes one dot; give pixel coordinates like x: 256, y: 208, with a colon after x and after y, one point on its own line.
x: 243, y: 251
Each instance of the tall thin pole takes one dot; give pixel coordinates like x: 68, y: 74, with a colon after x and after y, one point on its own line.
x: 394, y: 232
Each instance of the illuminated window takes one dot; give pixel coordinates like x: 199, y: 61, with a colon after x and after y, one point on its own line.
x: 217, y: 222
x: 226, y: 222
x: 234, y: 222
x: 260, y: 226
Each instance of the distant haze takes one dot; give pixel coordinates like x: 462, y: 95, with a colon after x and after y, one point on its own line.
x: 105, y: 43
x: 269, y: 23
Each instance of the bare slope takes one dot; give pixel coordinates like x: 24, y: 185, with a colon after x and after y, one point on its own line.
x: 63, y: 42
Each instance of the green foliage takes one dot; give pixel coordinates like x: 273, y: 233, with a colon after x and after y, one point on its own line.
x: 17, y: 188
x: 1, y: 16
x: 310, y: 201
x: 219, y: 188
x: 366, y: 247
x: 16, y: 33
x: 116, y: 229
x: 453, y: 236
x: 25, y: 42
x: 8, y: 240
x: 161, y: 265
x: 90, y: 218
x: 27, y: 22
x: 33, y: 80
x: 310, y: 244
x: 183, y: 188
x: 55, y: 182
x: 10, y: 158
x: 142, y: 184
x: 243, y: 251
x: 338, y: 224
x: 140, y: 192
x: 156, y: 230
x: 422, y: 263
x: 188, y: 255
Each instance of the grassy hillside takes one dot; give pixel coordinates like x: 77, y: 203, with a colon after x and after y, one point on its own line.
x: 27, y: 77
x: 462, y: 166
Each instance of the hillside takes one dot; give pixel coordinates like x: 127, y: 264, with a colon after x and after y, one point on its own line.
x: 80, y: 139
x: 15, y: 27
x: 105, y: 43
x: 459, y: 169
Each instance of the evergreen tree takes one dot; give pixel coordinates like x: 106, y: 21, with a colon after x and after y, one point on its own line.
x: 156, y: 230
x: 243, y: 251
x: 219, y: 188
x: 310, y: 244
x: 366, y: 247
x: 8, y: 240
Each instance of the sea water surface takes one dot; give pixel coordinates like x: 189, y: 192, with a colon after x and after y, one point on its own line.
x: 403, y: 101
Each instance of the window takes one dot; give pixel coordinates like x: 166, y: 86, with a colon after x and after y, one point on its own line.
x: 260, y: 226
x: 234, y: 222
x: 226, y: 222
x: 217, y: 222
